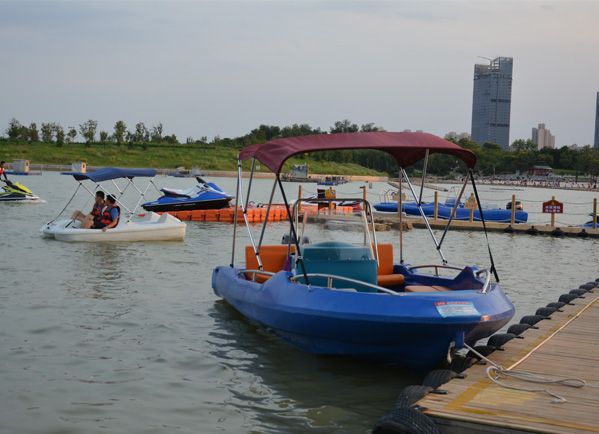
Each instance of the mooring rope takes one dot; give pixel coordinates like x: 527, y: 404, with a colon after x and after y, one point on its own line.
x: 496, y: 371
x: 65, y: 207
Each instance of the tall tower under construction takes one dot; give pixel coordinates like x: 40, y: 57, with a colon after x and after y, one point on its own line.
x: 492, y: 102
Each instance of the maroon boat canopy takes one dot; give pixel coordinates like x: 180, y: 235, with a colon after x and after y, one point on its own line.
x: 406, y: 148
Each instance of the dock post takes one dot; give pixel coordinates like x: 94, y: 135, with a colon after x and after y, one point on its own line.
x: 299, y: 193
x: 594, y: 213
x: 436, y: 205
x: 513, y: 208
x: 553, y: 214
x: 471, y: 209
x: 365, y: 193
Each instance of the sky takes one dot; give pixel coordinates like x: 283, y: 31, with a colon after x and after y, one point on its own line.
x: 223, y: 68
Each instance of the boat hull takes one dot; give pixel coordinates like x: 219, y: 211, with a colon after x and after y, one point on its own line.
x: 186, y: 205
x: 16, y: 197
x: 152, y: 227
x: 407, y: 330
x: 444, y: 212
x: 17, y: 192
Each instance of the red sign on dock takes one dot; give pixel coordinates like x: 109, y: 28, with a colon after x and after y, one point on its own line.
x: 553, y: 207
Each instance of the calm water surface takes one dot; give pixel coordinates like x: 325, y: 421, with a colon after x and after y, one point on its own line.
x: 129, y: 337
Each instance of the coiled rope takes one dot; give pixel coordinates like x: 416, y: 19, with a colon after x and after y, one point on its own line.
x: 496, y: 372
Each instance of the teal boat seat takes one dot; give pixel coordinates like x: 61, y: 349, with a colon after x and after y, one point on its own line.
x: 340, y: 259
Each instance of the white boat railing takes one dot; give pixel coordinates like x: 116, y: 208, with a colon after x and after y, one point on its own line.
x: 331, y: 277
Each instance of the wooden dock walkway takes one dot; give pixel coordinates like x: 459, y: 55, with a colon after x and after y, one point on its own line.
x: 518, y: 228
x: 564, y: 346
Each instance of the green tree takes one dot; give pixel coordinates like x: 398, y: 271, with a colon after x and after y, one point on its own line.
x: 172, y: 139
x: 299, y: 130
x: 24, y: 133
x: 120, y: 129
x: 14, y: 129
x: 47, y: 131
x: 141, y: 133
x: 266, y: 133
x: 88, y: 130
x: 59, y: 131
x: 72, y: 134
x: 157, y: 133
x: 370, y: 127
x: 523, y: 145
x: 34, y: 135
x: 344, y: 126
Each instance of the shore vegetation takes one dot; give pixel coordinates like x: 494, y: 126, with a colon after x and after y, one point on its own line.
x: 151, y: 147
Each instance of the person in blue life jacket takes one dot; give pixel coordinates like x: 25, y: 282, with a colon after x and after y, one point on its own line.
x: 111, y: 214
x: 92, y: 220
x: 2, y: 172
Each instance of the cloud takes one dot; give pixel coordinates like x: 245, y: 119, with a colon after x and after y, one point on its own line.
x: 225, y: 67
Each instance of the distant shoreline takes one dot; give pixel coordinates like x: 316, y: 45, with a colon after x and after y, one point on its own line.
x: 315, y: 177
x: 35, y: 168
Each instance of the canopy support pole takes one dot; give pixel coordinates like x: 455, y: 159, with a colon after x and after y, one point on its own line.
x: 245, y: 217
x: 482, y: 218
x: 400, y: 216
x: 423, y: 177
x: 455, y: 209
x: 298, y: 252
x: 424, y: 217
x: 235, y: 216
x: 272, y: 194
x: 247, y: 201
x: 239, y: 199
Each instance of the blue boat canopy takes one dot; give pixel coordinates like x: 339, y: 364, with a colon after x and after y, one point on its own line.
x: 109, y: 173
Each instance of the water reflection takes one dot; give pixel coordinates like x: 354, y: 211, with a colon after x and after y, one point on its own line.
x: 275, y: 384
x: 101, y: 270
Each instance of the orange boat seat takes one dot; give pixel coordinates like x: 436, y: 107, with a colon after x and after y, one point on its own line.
x: 385, y: 276
x: 273, y: 259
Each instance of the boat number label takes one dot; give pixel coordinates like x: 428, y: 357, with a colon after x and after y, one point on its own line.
x: 456, y: 308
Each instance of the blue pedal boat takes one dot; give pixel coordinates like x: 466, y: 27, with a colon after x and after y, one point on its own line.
x: 461, y: 213
x: 354, y: 299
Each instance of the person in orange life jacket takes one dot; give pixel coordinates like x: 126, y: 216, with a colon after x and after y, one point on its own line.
x: 91, y: 220
x: 111, y: 214
x: 2, y: 164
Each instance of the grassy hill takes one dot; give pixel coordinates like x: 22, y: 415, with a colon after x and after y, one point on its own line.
x: 163, y: 156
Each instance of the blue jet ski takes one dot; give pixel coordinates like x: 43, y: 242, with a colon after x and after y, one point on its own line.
x: 204, y: 195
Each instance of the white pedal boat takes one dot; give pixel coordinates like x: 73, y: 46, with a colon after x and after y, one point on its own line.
x: 131, y: 227
x: 150, y: 227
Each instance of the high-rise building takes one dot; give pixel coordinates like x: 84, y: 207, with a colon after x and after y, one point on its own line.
x: 492, y: 101
x: 543, y: 138
x: 596, y: 142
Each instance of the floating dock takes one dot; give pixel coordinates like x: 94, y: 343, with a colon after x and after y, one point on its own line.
x: 517, y: 228
x: 546, y: 382
x: 254, y: 215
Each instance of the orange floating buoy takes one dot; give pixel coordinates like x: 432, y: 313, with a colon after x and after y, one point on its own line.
x: 210, y: 215
x: 226, y: 215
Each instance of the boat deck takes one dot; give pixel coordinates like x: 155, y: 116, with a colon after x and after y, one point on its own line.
x: 564, y: 346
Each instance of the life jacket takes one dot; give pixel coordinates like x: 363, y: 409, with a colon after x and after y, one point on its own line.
x: 106, y: 217
x: 97, y: 210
